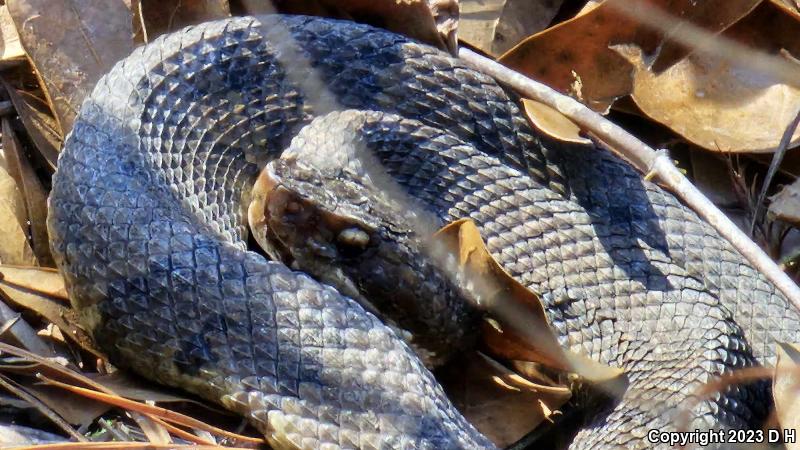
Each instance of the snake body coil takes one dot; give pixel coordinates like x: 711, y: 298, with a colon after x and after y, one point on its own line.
x: 146, y: 220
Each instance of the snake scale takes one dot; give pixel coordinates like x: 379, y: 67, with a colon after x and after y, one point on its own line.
x: 146, y: 221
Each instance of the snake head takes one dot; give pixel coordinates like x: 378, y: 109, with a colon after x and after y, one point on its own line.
x: 349, y: 230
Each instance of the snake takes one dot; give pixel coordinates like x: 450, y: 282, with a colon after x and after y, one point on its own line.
x: 147, y: 219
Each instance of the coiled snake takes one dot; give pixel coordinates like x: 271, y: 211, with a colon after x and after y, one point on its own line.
x: 146, y: 219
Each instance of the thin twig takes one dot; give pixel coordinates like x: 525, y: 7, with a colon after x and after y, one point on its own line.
x: 643, y: 158
x: 144, y: 408
x: 786, y: 139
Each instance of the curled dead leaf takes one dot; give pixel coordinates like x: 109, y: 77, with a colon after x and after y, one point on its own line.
x: 523, y: 325
x: 552, y: 123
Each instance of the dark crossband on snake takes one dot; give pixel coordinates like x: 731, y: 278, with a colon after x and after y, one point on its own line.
x: 148, y: 219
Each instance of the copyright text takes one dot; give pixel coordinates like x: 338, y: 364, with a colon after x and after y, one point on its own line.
x: 708, y: 437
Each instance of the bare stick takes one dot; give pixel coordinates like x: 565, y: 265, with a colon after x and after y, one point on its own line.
x: 643, y: 158
x: 777, y: 157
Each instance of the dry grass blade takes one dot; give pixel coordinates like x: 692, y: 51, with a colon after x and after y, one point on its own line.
x: 162, y: 413
x: 82, y: 379
x: 123, y: 446
x: 15, y: 389
x: 515, y: 381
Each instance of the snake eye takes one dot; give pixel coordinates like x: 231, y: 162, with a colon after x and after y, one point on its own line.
x: 353, y: 237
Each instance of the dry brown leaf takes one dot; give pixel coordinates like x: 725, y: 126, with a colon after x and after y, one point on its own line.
x: 39, y: 123
x: 574, y: 57
x: 786, y: 388
x: 19, y: 391
x: 11, y: 52
x: 502, y: 414
x: 43, y: 281
x: 14, y: 247
x: 712, y: 16
x: 590, y: 5
x: 785, y: 205
x: 791, y: 7
x: 521, y: 317
x: 32, y: 191
x: 432, y: 21
x: 71, y: 45
x: 720, y: 106
x: 164, y: 16
x: 15, y: 330
x: 494, y: 26
x: 552, y: 123
x: 73, y: 408
x: 42, y: 291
